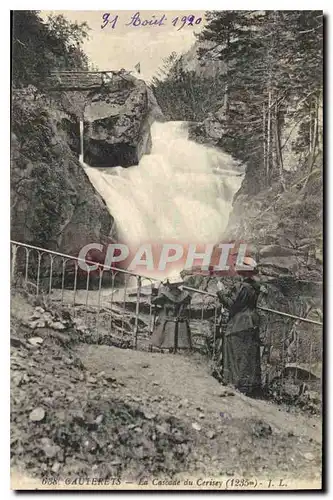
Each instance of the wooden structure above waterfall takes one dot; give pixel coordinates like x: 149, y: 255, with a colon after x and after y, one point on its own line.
x: 86, y: 80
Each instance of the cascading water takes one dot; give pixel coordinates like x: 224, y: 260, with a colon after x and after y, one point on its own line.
x: 182, y: 191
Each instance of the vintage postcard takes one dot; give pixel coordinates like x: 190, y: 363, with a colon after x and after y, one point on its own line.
x: 167, y: 250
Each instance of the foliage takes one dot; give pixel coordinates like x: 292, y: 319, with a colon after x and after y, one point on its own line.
x: 274, y: 76
x: 273, y: 82
x: 34, y: 134
x: 183, y: 95
x: 40, y: 47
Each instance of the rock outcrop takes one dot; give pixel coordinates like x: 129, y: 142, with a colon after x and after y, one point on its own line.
x: 285, y: 227
x: 53, y: 204
x: 117, y: 112
x: 117, y: 130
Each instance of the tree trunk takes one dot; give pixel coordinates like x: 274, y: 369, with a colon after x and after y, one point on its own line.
x: 278, y: 144
x: 226, y: 99
x: 269, y: 119
x: 226, y: 88
x: 264, y: 140
x: 310, y: 129
x: 313, y: 145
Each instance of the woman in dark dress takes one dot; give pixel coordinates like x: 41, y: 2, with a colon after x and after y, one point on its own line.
x: 241, y: 350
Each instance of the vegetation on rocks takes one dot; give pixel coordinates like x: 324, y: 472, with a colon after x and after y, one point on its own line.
x: 40, y: 47
x: 53, y: 204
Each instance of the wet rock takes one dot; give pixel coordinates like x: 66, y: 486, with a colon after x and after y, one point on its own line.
x: 37, y: 415
x: 309, y: 456
x: 196, y: 426
x: 210, y: 434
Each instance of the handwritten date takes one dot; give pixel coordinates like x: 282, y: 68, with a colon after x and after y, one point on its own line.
x: 137, y: 21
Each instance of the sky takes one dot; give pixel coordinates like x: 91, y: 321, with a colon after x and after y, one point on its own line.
x: 126, y: 45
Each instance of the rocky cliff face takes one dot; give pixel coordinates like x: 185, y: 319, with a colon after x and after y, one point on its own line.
x: 117, y: 110
x: 53, y: 204
x: 210, y: 66
x: 117, y: 123
x: 283, y: 227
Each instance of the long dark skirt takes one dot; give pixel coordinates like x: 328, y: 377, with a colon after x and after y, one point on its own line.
x: 172, y: 334
x: 241, y: 364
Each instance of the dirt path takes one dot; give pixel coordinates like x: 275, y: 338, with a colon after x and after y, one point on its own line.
x: 231, y: 431
x: 134, y: 415
x: 184, y: 384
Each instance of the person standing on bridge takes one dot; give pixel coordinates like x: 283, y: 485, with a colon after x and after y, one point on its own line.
x: 241, y: 346
x: 172, y: 330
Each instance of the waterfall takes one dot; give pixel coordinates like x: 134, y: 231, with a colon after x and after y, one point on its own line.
x: 181, y: 192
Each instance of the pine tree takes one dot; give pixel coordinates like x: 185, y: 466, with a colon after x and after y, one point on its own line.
x: 274, y: 64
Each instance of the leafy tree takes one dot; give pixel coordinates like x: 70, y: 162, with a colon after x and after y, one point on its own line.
x: 40, y: 47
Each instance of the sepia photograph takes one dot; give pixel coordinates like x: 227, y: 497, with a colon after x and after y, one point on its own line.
x: 166, y: 250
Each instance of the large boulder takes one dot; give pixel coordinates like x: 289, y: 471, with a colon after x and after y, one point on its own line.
x: 117, y: 119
